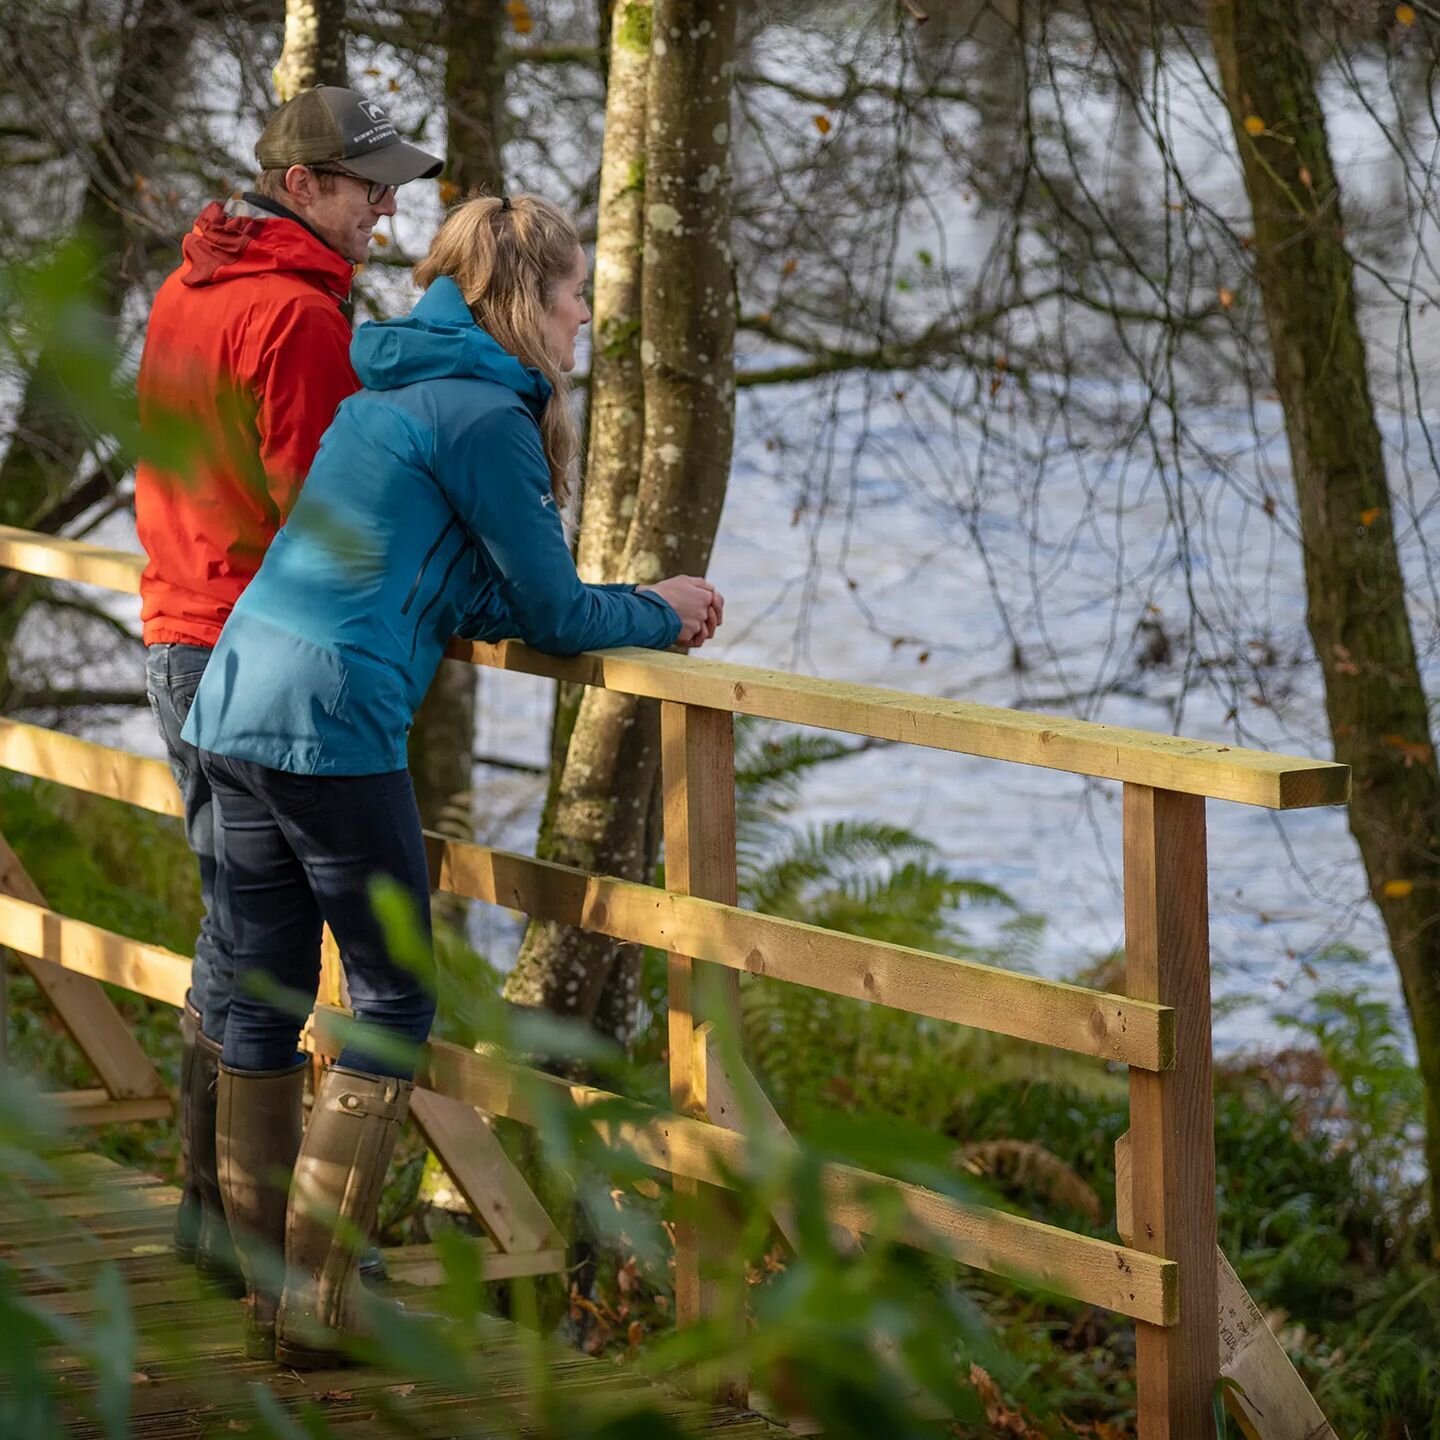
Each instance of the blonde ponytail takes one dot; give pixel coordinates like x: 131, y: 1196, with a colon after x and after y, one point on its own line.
x: 508, y: 258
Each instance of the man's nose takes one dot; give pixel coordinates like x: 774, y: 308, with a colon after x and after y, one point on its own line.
x: 387, y: 206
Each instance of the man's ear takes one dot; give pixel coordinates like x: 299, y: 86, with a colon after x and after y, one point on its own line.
x: 300, y: 185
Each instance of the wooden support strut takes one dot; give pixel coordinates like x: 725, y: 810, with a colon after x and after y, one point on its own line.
x: 1172, y: 1112
x: 697, y: 750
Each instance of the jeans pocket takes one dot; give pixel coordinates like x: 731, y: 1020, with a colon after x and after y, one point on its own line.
x: 285, y: 793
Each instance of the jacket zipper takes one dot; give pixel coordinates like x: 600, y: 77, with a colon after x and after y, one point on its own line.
x: 431, y: 602
x: 425, y: 563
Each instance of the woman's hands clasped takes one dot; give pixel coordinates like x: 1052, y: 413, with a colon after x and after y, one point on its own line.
x: 700, y: 606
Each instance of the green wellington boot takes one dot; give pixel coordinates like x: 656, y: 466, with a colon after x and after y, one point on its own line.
x: 214, y: 1251
x: 354, y: 1124
x: 187, y: 1216
x: 258, y: 1127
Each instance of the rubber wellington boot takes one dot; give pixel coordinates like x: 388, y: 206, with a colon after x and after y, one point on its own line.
x: 215, y: 1256
x: 187, y: 1216
x: 258, y: 1127
x: 354, y: 1124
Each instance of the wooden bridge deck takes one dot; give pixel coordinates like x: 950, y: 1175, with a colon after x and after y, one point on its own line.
x: 190, y: 1378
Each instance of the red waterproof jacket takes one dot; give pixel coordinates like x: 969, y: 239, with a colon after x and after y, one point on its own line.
x: 246, y: 360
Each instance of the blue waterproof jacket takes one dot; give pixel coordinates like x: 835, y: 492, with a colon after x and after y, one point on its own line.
x: 427, y: 513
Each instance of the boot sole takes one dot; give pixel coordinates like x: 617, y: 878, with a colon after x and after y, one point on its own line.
x: 308, y: 1357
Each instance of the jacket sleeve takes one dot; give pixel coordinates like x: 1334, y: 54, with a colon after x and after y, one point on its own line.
x: 496, y: 478
x: 305, y: 373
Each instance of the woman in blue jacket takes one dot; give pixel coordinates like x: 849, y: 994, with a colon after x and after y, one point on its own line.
x: 432, y: 508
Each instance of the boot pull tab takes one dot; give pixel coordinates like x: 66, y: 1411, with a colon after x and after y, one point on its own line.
x: 382, y: 1105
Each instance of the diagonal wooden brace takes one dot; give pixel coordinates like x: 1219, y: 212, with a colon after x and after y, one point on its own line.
x: 84, y: 1008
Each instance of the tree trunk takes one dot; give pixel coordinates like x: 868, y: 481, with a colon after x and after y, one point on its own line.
x: 474, y: 95
x: 443, y: 741
x: 1355, y: 589
x: 606, y: 754
x: 38, y: 473
x: 314, y: 49
x: 662, y: 409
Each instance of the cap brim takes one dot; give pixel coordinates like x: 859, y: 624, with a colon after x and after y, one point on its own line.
x: 395, y: 165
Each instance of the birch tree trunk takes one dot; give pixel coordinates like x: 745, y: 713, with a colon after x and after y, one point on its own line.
x: 662, y: 422
x: 314, y: 49
x: 40, y: 483
x: 442, y: 743
x: 1354, y: 586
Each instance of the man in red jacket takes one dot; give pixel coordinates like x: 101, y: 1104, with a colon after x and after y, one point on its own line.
x: 247, y: 355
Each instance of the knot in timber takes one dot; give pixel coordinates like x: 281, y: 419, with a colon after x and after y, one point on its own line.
x: 1097, y: 1023
x: 755, y: 961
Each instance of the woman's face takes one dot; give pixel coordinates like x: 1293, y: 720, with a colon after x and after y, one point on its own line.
x: 568, y: 312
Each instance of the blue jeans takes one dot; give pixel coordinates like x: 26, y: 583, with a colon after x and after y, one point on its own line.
x: 172, y: 673
x: 300, y: 851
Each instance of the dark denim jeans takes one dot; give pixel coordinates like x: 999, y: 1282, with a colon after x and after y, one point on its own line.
x: 172, y: 673
x: 299, y: 851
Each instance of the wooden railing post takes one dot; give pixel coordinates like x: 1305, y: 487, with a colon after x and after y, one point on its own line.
x: 698, y: 765
x: 1172, y: 1112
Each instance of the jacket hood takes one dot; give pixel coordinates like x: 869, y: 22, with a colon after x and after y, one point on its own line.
x: 238, y: 239
x: 439, y: 340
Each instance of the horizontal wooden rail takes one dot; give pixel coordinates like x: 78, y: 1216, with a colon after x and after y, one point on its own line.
x: 89, y: 950
x: 1081, y: 747
x: 1005, y: 1002
x: 1095, y: 1272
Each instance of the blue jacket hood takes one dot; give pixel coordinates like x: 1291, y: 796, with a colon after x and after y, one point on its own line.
x: 439, y: 340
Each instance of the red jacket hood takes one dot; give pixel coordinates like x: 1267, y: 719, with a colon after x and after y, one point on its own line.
x: 239, y: 239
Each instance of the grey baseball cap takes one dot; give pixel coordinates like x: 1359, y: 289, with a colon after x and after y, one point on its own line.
x: 333, y: 126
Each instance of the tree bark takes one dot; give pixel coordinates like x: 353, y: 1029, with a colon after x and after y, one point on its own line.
x: 662, y: 409
x: 48, y: 442
x: 474, y: 95
x: 314, y: 49
x: 1354, y: 585
x: 606, y: 757
x: 443, y: 740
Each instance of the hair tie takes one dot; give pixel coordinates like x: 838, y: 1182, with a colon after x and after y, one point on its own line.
x: 504, y: 203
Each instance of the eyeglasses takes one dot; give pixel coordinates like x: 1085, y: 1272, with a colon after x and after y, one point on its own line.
x: 375, y: 193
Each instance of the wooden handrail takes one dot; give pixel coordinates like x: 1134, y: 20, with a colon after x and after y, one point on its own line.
x: 1080, y: 747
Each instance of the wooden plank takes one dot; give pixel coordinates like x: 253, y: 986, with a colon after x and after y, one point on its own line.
x: 85, y: 1010
x: 74, y: 946
x: 95, y: 1107
x: 1053, y: 742
x: 1172, y: 1115
x: 1048, y: 1012
x: 84, y: 765
x: 729, y: 1103
x: 1272, y: 1401
x: 1097, y: 1272
x: 56, y: 559
x: 697, y: 761
x: 421, y: 1264
x: 1081, y: 747
x: 485, y: 1175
